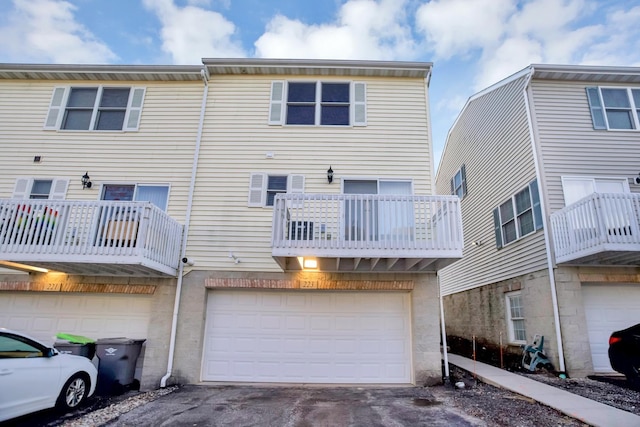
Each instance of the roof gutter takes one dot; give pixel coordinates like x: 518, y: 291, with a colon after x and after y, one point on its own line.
x: 183, y: 251
x: 545, y: 224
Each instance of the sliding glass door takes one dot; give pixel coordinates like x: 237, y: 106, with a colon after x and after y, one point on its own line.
x: 371, y: 218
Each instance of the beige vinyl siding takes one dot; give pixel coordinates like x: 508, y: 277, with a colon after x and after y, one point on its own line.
x: 492, y: 139
x: 161, y: 151
x: 237, y: 138
x: 570, y: 146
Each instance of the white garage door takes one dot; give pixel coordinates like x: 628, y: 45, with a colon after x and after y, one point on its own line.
x: 608, y: 308
x: 307, y: 337
x: 43, y: 314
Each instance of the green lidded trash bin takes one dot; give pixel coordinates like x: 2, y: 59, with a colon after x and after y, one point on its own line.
x: 75, y: 344
x: 117, y: 365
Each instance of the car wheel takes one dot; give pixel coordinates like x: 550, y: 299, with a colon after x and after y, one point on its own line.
x: 74, y: 392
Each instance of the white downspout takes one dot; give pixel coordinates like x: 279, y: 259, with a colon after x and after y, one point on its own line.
x: 187, y: 220
x: 547, y: 238
x: 445, y: 354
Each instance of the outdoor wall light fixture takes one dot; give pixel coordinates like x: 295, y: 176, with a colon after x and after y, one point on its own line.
x: 330, y: 175
x: 86, y: 183
x: 308, y: 263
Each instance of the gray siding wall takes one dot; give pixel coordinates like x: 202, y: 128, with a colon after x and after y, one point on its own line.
x: 568, y: 144
x: 492, y: 139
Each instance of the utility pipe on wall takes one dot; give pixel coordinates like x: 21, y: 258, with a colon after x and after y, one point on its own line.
x: 445, y: 354
x: 187, y: 220
x: 545, y: 225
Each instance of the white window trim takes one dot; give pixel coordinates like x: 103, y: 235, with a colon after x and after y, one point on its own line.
x: 463, y: 182
x: 24, y: 185
x: 258, y: 194
x: 566, y: 178
x: 515, y: 217
x: 510, y: 329
x: 56, y: 113
x: 377, y: 179
x: 278, y: 107
x: 537, y: 222
x: 135, y: 190
x: 634, y: 109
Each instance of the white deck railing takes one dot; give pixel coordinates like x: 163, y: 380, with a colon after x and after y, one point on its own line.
x: 365, y: 223
x: 88, y: 229
x: 599, y: 222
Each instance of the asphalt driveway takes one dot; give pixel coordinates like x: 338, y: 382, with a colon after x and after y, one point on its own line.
x: 195, y: 405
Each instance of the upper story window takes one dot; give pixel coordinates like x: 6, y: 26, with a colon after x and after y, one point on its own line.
x: 519, y: 216
x: 318, y: 103
x: 95, y: 108
x: 263, y: 187
x: 459, y: 183
x: 614, y: 108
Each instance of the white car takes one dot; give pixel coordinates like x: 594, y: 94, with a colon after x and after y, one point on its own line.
x: 34, y: 376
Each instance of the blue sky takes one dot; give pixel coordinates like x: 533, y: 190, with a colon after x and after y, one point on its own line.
x: 472, y: 43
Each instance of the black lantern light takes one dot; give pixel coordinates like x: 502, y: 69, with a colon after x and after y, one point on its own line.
x: 86, y: 183
x: 330, y: 175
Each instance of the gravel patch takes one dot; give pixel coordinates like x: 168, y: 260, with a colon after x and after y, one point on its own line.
x: 114, y: 410
x: 499, y: 407
x: 612, y: 391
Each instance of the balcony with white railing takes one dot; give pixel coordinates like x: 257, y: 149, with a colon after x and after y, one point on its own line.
x: 366, y: 232
x: 601, y: 229
x: 89, y: 237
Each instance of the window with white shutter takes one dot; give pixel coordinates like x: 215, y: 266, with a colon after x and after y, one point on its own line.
x: 95, y: 108
x: 359, y: 104
x: 41, y: 188
x: 264, y: 187
x: 318, y: 103
x: 257, y: 187
x: 56, y: 108
x: 276, y: 103
x: 134, y: 110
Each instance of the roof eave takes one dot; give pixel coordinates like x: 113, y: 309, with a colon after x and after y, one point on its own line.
x: 317, y: 66
x: 100, y: 72
x: 592, y: 73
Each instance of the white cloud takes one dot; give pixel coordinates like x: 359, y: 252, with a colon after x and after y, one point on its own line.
x: 364, y: 29
x: 47, y: 31
x: 508, y: 35
x: 454, y: 27
x: 191, y: 33
x: 512, y: 55
x: 621, y: 45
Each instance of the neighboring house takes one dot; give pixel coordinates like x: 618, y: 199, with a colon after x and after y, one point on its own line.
x: 546, y: 164
x: 305, y: 192
x: 101, y: 260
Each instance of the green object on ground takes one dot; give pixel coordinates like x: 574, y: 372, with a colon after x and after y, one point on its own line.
x: 76, y: 339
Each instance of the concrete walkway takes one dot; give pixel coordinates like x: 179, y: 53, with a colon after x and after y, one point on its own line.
x: 578, y: 407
